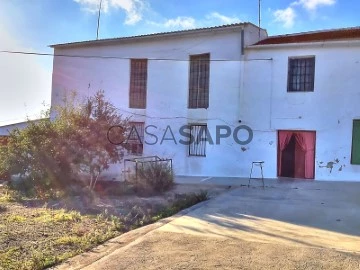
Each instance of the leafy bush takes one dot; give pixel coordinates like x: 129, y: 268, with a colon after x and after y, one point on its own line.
x: 53, y: 153
x: 153, y: 177
x: 186, y: 201
x: 9, y: 195
x: 113, y: 188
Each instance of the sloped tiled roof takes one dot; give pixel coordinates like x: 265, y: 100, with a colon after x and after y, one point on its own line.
x: 154, y: 35
x: 314, y: 36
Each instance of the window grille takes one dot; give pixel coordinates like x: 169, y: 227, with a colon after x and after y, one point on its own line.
x: 199, y: 81
x: 301, y: 74
x: 138, y: 83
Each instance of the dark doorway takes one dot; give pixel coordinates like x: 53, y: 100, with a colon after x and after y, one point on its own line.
x: 288, y: 159
x: 296, y: 154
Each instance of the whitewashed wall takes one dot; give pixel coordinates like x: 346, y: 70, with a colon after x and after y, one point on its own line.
x: 167, y: 92
x: 5, y: 130
x: 266, y: 105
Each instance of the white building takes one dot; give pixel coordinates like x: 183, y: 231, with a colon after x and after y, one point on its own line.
x: 7, y: 128
x: 148, y: 78
x: 312, y: 85
x: 216, y: 77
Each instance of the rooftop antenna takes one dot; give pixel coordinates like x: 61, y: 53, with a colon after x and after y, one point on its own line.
x: 259, y: 17
x: 98, y: 21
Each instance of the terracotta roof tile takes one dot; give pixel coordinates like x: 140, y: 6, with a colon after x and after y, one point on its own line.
x: 316, y: 36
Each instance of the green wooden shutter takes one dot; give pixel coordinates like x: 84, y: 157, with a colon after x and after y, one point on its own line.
x: 355, y: 153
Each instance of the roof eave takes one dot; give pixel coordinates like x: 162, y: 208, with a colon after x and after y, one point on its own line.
x: 306, y: 44
x: 151, y: 36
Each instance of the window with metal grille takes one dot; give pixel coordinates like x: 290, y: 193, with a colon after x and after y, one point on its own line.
x: 135, y: 139
x: 301, y: 74
x: 138, y: 83
x: 198, y: 146
x: 199, y: 81
x: 355, y: 151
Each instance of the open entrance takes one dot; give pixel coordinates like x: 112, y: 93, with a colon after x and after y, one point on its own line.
x: 296, y: 154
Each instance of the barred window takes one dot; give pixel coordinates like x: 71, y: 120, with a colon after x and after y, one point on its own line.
x: 135, y: 139
x: 301, y: 73
x: 199, y: 81
x: 138, y: 83
x: 198, y: 146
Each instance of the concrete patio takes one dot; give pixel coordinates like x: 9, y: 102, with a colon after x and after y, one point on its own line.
x: 289, y: 225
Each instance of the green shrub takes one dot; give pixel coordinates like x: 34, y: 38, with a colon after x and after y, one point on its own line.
x: 9, y: 195
x: 53, y: 153
x: 154, y: 177
x: 185, y: 201
x: 113, y: 188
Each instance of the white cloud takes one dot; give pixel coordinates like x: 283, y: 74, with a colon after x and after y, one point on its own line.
x: 25, y: 81
x: 184, y: 22
x: 312, y: 5
x: 222, y: 18
x: 133, y: 8
x: 180, y: 22
x: 285, y: 16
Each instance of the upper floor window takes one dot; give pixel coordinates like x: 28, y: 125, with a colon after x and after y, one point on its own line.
x: 199, y: 81
x: 138, y: 83
x: 355, y: 151
x: 301, y: 74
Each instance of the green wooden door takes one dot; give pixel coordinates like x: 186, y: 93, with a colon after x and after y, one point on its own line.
x: 355, y: 153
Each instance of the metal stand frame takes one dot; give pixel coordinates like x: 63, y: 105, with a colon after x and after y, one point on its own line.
x: 258, y: 163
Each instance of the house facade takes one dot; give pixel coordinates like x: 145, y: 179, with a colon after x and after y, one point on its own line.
x: 165, y: 82
x: 290, y: 101
x: 7, y: 128
x: 304, y: 104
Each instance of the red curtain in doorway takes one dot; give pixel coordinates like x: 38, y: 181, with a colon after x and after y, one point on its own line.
x: 284, y: 139
x: 306, y: 140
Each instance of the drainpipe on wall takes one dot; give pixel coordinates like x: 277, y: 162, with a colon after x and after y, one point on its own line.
x: 242, y: 41
x: 241, y: 80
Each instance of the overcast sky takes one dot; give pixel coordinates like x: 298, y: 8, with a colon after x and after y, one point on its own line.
x: 32, y: 25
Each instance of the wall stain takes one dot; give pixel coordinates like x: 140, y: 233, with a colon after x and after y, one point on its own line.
x: 244, y: 149
x: 330, y: 165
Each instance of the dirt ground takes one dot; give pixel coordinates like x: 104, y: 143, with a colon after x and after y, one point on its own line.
x: 36, y: 233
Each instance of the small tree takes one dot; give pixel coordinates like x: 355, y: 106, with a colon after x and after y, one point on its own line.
x: 92, y: 125
x: 54, y: 153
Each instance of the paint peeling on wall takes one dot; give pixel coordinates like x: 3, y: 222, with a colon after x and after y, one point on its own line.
x: 330, y: 165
